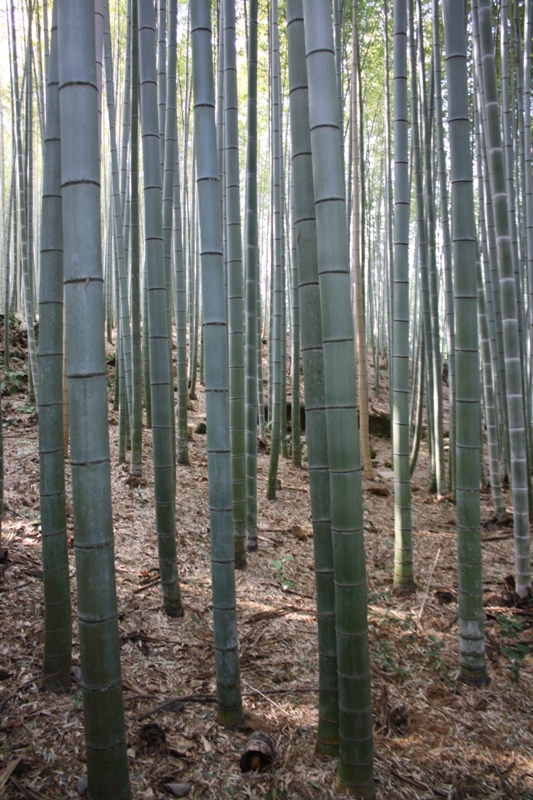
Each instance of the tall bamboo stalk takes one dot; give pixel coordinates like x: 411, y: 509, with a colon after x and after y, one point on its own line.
x: 181, y: 303
x: 490, y: 405
x: 429, y: 206
x: 403, y: 546
x: 422, y: 247
x: 162, y: 76
x: 296, y: 433
x: 517, y: 437
x: 118, y: 215
x: 355, y: 769
x: 58, y: 622
x: 357, y: 266
x: 22, y: 208
x: 446, y: 246
x: 105, y: 735
x: 501, y: 379
x: 235, y: 285
x: 216, y: 373
x: 135, y: 257
x: 313, y: 369
x: 170, y: 150
x: 160, y: 378
x: 251, y: 288
x: 471, y: 636
x: 528, y: 171
x: 511, y: 177
x: 491, y: 386
x: 276, y: 332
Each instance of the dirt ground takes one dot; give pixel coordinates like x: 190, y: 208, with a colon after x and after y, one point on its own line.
x: 434, y: 737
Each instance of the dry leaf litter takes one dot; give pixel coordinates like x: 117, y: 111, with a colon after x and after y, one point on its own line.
x: 434, y: 736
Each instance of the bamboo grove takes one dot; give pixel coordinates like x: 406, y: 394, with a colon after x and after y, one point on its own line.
x: 303, y: 174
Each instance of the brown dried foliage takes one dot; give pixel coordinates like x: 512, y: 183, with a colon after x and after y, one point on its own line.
x: 434, y: 737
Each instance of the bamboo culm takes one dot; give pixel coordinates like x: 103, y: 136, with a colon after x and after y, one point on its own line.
x: 58, y: 623
x: 216, y: 373
x: 355, y: 767
x: 313, y: 368
x: 156, y: 290
x: 517, y: 438
x: 105, y: 735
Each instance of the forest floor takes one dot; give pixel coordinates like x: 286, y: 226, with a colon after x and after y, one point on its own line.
x: 434, y: 736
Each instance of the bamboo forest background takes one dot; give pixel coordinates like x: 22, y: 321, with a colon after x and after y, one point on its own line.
x: 275, y: 206
x: 373, y: 99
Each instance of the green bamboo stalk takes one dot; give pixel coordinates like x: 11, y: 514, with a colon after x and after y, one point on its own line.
x: 492, y: 279
x: 202, y: 359
x: 37, y: 58
x: 357, y: 264
x: 389, y: 213
x: 187, y: 216
x: 235, y: 286
x: 99, y: 49
x: 509, y: 158
x: 118, y: 215
x: 135, y: 257
x: 216, y: 373
x: 423, y: 254
x: 489, y: 349
x: 145, y: 339
x: 501, y: 380
x: 193, y: 286
x: 170, y: 149
x: 517, y: 437
x: 313, y: 369
x: 251, y: 288
x: 276, y: 331
x: 7, y: 262
x: 296, y: 443
x: 419, y: 404
x: 436, y: 363
x: 122, y: 399
x: 337, y: 22
x: 105, y: 736
x: 11, y: 290
x: 519, y: 136
x: 403, y: 545
x: 108, y: 277
x: 355, y: 769
x: 27, y: 296
x: 126, y: 109
x: 56, y: 583
x: 220, y: 120
x: 285, y: 291
x: 3, y: 216
x: 28, y: 153
x: 446, y: 247
x: 528, y: 170
x: 162, y: 78
x: 472, y: 663
x: 145, y: 342
x: 260, y: 387
x: 490, y: 406
x: 46, y: 33
x: 160, y: 378
x: 181, y: 318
